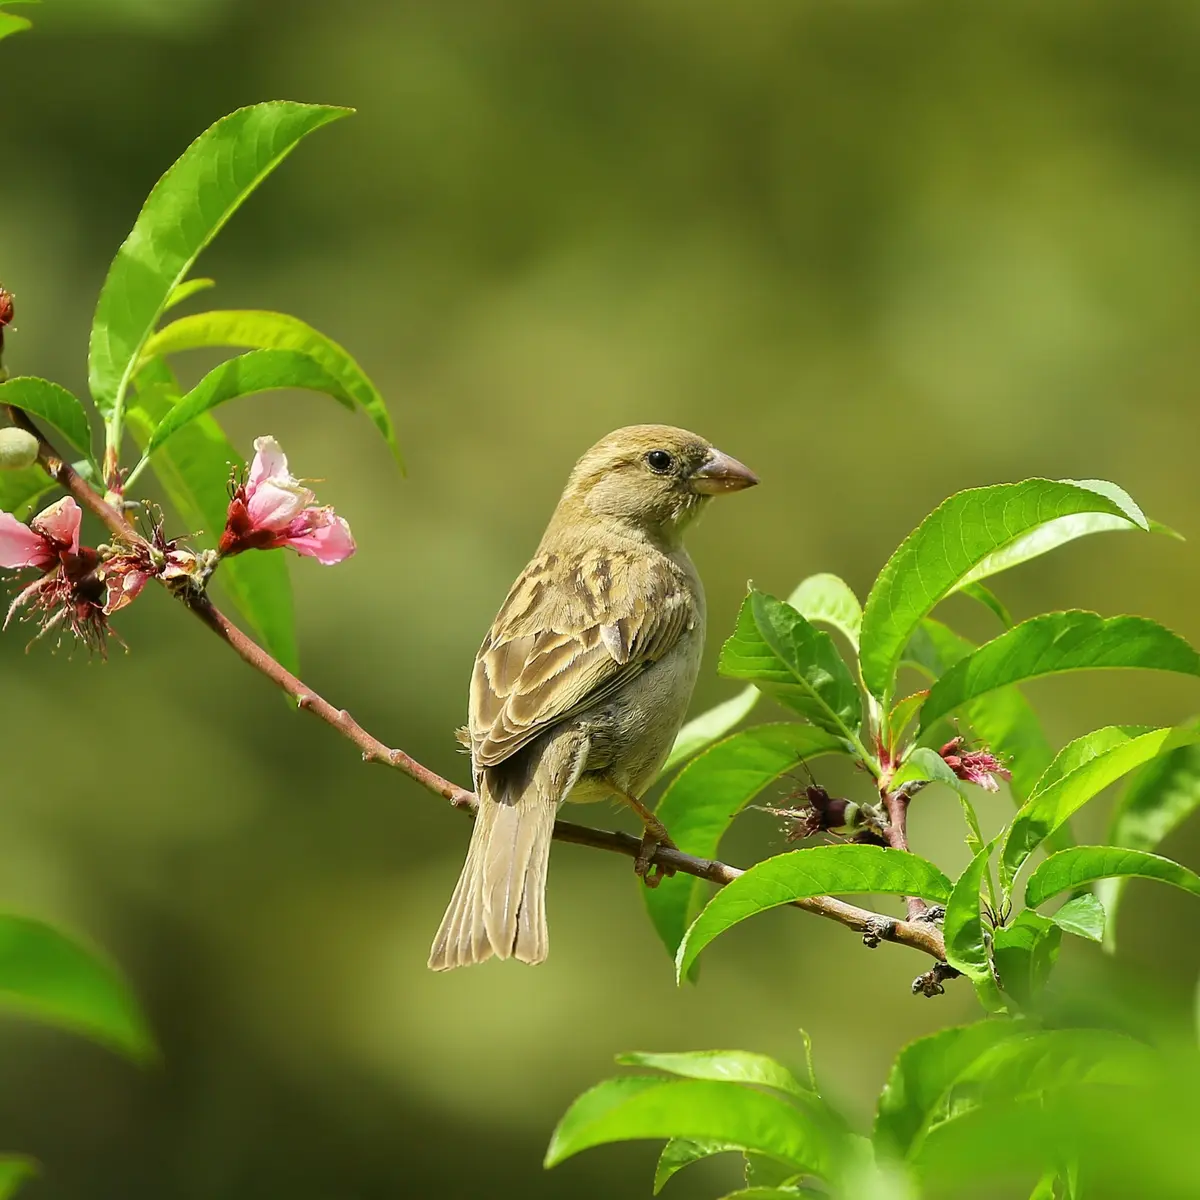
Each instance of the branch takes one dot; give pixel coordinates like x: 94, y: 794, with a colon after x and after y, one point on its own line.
x: 895, y: 804
x: 875, y: 927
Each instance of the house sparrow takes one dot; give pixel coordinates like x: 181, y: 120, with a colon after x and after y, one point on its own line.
x: 585, y: 677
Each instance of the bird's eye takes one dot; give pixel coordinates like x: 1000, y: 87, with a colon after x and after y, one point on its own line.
x: 659, y: 461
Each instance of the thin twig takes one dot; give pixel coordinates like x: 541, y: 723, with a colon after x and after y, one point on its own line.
x: 875, y: 927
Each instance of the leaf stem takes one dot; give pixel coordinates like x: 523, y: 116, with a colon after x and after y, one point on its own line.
x: 918, y: 934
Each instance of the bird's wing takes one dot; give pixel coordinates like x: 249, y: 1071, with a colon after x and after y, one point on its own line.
x: 573, y: 630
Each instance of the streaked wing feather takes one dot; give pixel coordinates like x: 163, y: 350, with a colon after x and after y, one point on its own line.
x: 570, y: 633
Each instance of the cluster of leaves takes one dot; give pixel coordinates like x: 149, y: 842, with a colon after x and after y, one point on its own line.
x: 994, y: 932
x: 43, y: 972
x: 135, y: 389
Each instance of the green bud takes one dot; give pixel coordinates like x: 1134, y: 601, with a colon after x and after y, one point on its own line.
x: 18, y: 449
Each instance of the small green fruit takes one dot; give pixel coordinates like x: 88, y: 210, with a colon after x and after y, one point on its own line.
x: 18, y: 449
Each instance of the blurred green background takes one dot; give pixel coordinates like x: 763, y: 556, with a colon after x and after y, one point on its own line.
x: 878, y: 251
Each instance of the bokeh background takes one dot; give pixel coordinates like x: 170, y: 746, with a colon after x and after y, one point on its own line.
x: 880, y: 251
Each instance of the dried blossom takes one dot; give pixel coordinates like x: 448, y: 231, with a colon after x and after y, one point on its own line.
x: 980, y: 767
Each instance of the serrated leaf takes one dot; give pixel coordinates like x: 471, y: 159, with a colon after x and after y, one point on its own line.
x: 915, y: 1095
x: 1160, y: 797
x: 184, y: 212
x: 709, y: 726
x: 1083, y: 916
x: 1024, y: 953
x: 775, y: 648
x: 1079, y: 865
x: 682, y: 1152
x: 253, y: 329
x: 257, y: 371
x: 708, y: 793
x: 48, y: 975
x: 728, y: 1066
x: 194, y: 468
x: 635, y: 1107
x: 1080, y: 771
x: 50, y: 403
x: 1004, y: 720
x: 801, y: 874
x: 966, y: 947
x: 827, y: 600
x: 1058, y: 642
x: 964, y: 540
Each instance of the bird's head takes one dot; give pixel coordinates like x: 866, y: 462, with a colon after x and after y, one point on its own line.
x: 654, y: 478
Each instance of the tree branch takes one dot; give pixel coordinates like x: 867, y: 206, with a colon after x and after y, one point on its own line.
x: 875, y: 927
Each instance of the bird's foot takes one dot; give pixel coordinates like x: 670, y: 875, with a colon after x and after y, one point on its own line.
x: 650, y: 872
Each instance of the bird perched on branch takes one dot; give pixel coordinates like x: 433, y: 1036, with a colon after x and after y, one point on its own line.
x: 584, y: 678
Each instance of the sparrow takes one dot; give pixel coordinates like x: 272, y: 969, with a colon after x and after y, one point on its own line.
x: 584, y: 678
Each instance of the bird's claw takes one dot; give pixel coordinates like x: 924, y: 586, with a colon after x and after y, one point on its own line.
x: 643, y: 864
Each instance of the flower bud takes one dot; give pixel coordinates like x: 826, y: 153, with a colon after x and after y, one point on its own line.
x: 18, y: 449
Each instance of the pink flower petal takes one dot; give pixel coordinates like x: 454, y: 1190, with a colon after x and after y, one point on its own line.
x: 60, y: 523
x: 269, y: 462
x: 276, y: 503
x: 319, y: 533
x: 20, y: 546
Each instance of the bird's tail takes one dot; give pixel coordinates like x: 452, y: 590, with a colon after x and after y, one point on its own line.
x: 499, y: 905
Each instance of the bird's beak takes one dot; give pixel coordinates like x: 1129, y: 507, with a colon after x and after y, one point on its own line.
x: 722, y: 474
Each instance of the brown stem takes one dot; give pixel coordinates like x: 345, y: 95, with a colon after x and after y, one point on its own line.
x: 875, y: 927
x: 896, y: 804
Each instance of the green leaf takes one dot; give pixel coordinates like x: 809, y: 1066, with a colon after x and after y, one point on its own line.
x: 729, y: 1066
x: 194, y: 468
x: 968, y: 537
x: 258, y: 371
x: 1058, y: 642
x: 827, y: 600
x: 775, y: 648
x: 708, y: 793
x: 10, y: 24
x: 278, y: 331
x: 927, y: 765
x: 801, y: 874
x: 636, y: 1107
x: 1080, y: 771
x: 53, y: 404
x: 765, y: 1173
x: 1083, y: 916
x: 682, y: 1152
x: 705, y: 729
x: 1024, y: 953
x: 916, y: 1094
x: 1084, y: 864
x: 990, y: 601
x: 48, y: 975
x: 21, y: 490
x: 903, y: 712
x: 768, y: 1193
x: 1159, y: 798
x: 184, y: 212
x: 181, y: 292
x: 14, y: 1169
x: 966, y: 947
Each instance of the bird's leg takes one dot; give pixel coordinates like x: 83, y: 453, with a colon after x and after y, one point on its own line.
x: 655, y: 835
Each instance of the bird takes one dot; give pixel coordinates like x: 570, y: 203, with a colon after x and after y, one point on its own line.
x: 584, y: 678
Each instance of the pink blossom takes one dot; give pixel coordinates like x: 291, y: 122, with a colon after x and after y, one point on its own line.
x: 54, y: 531
x: 274, y: 508
x: 979, y: 767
